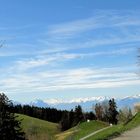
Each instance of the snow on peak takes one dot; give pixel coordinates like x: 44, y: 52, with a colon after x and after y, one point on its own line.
x: 75, y: 100
x: 132, y: 97
x: 79, y: 100
x: 54, y: 101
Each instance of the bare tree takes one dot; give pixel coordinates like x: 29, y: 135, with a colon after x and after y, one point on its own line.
x: 125, y: 115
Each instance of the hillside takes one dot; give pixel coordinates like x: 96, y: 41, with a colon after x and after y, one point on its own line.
x: 86, y: 128
x: 81, y: 130
x: 118, y: 129
x: 37, y: 129
x: 133, y: 123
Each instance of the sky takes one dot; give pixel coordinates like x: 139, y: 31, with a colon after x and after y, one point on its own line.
x: 66, y: 49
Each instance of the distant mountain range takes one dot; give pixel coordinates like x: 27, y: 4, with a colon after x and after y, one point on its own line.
x: 86, y: 103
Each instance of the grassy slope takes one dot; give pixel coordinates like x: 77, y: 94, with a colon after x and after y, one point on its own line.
x: 118, y: 129
x: 133, y: 123
x: 81, y: 130
x: 43, y: 129
x: 36, y: 128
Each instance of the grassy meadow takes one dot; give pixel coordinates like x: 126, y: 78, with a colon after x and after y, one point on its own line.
x: 118, y: 129
x: 81, y: 130
x: 37, y: 129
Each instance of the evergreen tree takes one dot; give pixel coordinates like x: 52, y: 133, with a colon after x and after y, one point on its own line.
x: 78, y: 116
x: 90, y: 116
x: 113, y: 112
x: 65, y: 122
x: 71, y: 118
x: 9, y: 125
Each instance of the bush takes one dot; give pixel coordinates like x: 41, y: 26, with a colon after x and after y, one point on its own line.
x: 125, y: 115
x: 137, y: 107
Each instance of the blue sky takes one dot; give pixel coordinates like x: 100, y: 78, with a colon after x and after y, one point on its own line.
x: 69, y: 49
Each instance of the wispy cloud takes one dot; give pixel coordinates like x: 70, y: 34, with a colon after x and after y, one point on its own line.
x: 82, y: 78
x: 49, y: 60
x: 103, y: 29
x: 101, y: 19
x: 52, y: 61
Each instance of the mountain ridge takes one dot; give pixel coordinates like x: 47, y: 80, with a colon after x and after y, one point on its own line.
x: 86, y: 103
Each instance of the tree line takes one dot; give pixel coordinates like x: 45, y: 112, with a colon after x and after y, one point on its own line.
x: 48, y: 114
x: 65, y: 118
x: 105, y: 111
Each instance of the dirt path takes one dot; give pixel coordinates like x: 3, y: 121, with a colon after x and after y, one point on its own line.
x: 84, y: 138
x: 130, y: 135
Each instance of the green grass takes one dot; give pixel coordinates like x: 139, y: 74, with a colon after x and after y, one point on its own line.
x: 117, y: 130
x: 38, y: 129
x: 133, y: 123
x: 64, y: 135
x: 82, y: 130
x: 110, y: 132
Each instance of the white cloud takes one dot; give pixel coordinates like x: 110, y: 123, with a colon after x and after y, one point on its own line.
x: 104, y: 19
x: 43, y: 60
x: 62, y: 45
x: 53, y: 59
x: 57, y: 37
x: 83, y: 78
x: 120, y: 28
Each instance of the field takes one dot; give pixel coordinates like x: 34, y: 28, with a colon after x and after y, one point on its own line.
x: 37, y: 129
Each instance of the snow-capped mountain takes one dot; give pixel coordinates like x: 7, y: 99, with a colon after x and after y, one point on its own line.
x: 128, y: 101
x: 75, y: 100
x: 86, y: 103
x: 39, y: 103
